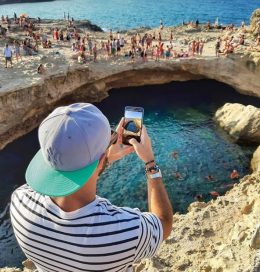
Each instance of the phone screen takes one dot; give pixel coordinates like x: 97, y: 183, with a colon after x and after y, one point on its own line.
x: 133, y: 122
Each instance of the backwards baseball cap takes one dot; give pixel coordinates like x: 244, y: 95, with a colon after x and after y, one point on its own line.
x: 72, y: 140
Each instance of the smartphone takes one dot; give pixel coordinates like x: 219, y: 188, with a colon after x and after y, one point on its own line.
x: 133, y: 122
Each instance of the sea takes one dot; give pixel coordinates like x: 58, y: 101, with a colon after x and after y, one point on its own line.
x: 125, y: 14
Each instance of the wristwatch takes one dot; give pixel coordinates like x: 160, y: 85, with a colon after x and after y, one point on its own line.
x: 155, y: 175
x: 153, y: 172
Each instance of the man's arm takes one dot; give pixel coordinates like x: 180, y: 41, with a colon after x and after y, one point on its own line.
x: 158, y: 199
x: 160, y: 205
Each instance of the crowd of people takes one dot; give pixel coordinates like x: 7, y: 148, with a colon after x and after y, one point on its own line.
x: 139, y: 47
x: 159, y: 45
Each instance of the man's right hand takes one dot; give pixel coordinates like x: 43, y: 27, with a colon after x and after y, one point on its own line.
x: 143, y: 149
x: 158, y: 200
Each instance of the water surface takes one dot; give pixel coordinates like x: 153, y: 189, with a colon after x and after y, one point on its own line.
x: 124, y: 14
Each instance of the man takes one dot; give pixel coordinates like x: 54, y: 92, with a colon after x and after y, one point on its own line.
x: 8, y: 55
x: 60, y: 223
x: 217, y: 47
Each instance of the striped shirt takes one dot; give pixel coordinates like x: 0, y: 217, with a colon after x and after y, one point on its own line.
x: 96, y: 237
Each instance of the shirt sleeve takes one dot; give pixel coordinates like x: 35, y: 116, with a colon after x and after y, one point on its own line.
x: 151, y: 236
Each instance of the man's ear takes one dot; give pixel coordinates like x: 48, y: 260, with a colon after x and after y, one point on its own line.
x: 101, y: 165
x: 101, y: 162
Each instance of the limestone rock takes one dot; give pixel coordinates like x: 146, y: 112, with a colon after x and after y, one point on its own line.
x: 255, y: 162
x: 254, y: 22
x: 241, y: 122
x: 7, y: 269
x: 256, y: 265
x: 225, y: 239
x: 29, y: 264
x: 197, y: 206
x: 73, y: 82
x: 255, y: 241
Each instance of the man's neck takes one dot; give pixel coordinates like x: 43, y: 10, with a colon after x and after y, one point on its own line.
x: 79, y: 199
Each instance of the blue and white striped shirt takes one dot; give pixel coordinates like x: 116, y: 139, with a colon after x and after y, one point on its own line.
x: 96, y: 237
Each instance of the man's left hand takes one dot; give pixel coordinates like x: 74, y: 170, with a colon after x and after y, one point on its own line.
x: 118, y: 150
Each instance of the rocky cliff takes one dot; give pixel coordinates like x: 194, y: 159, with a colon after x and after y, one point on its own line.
x: 241, y: 122
x: 23, y: 106
x: 219, y: 236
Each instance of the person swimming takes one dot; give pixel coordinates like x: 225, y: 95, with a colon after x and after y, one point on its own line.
x: 229, y: 185
x: 214, y: 194
x: 234, y: 174
x: 178, y: 176
x: 175, y: 155
x: 198, y: 197
x: 209, y: 177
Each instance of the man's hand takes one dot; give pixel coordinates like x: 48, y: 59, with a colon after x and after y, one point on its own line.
x: 117, y: 151
x: 143, y: 149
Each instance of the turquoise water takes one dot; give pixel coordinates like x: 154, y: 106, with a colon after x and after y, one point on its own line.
x: 178, y: 117
x: 123, y: 14
x: 178, y: 120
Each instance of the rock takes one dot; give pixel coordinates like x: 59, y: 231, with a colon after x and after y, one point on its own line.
x: 214, y: 238
x: 29, y: 264
x: 255, y: 240
x: 184, y: 265
x: 255, y: 162
x: 197, y: 206
x: 77, y: 82
x: 241, y: 122
x: 254, y: 26
x: 247, y: 208
x: 87, y: 24
x: 206, y: 268
x: 256, y: 265
x: 7, y: 269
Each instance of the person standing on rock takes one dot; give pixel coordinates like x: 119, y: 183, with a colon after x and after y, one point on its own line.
x: 201, y: 46
x: 59, y: 221
x: 8, y: 55
x: 95, y: 52
x: 217, y: 47
x: 17, y: 50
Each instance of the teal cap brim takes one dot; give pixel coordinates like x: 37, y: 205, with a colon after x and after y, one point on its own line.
x: 43, y: 179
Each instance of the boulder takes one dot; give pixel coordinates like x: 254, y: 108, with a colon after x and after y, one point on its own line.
x: 241, y: 122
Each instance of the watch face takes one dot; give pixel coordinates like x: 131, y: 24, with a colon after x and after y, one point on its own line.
x: 155, y: 175
x: 153, y: 169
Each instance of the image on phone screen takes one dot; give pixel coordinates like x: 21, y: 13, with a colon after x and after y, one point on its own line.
x: 133, y: 121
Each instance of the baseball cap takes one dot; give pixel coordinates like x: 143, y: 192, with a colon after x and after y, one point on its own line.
x: 72, y: 140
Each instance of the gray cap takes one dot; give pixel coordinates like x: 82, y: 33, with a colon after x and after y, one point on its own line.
x: 72, y: 140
